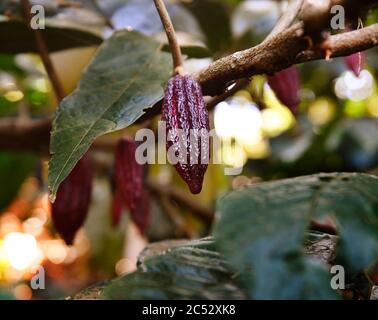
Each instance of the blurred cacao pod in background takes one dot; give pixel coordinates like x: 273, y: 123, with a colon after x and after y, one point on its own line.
x: 141, y: 213
x: 130, y: 189
x: 71, y: 205
x: 355, y: 62
x: 286, y: 86
x: 128, y: 172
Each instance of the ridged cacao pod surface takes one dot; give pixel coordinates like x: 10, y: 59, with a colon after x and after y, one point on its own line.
x: 71, y: 205
x: 286, y: 86
x: 187, y: 120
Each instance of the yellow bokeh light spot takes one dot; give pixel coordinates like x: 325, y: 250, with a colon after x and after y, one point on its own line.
x: 276, y: 120
x: 258, y: 150
x: 372, y: 106
x: 321, y: 111
x: 4, y: 263
x: 243, y: 94
x: 21, y: 250
x: 233, y: 155
x: 14, y: 95
x: 41, y: 84
x: 355, y: 108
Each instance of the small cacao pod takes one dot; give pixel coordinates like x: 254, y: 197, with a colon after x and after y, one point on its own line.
x: 117, y: 207
x: 72, y: 200
x: 355, y: 62
x: 187, y: 122
x: 286, y: 86
x: 141, y: 213
x: 128, y: 172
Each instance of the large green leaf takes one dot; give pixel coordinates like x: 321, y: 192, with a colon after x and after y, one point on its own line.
x: 182, y: 272
x: 262, y: 228
x: 14, y: 168
x: 127, y: 75
x: 15, y: 37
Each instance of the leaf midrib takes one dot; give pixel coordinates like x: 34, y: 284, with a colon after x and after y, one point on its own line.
x: 132, y: 81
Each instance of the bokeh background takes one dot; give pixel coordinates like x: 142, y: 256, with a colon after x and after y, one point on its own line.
x: 336, y: 129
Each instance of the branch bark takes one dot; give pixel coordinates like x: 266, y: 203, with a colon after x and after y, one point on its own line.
x: 284, y: 49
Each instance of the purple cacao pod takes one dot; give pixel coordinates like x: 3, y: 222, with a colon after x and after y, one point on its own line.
x: 72, y: 200
x: 128, y: 172
x: 355, y: 62
x: 187, y: 121
x: 141, y: 213
x: 117, y: 207
x: 286, y: 86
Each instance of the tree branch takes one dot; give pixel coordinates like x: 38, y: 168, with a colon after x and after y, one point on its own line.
x: 287, y: 18
x: 43, y: 52
x: 281, y: 51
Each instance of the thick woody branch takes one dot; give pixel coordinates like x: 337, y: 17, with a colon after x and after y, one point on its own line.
x: 25, y: 135
x: 286, y: 48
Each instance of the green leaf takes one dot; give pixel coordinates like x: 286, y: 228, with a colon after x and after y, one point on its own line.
x: 183, y: 272
x: 127, y: 76
x: 262, y: 228
x: 14, y: 169
x: 15, y: 37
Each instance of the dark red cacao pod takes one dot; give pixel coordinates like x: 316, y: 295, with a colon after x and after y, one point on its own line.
x: 286, y: 86
x: 186, y: 116
x: 355, y: 62
x: 72, y: 200
x: 117, y: 207
x: 128, y: 172
x: 141, y: 213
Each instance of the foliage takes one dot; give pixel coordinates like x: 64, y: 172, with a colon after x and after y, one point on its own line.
x: 256, y: 249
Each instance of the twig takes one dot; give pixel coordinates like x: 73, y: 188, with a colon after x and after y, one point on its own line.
x: 182, y: 229
x: 280, y: 52
x: 23, y: 111
x: 43, y: 52
x: 283, y: 50
x: 287, y: 18
x: 240, y: 84
x: 181, y: 196
x: 103, y: 14
x: 171, y: 35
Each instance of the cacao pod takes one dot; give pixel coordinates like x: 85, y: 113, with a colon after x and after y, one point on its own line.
x: 187, y: 122
x: 286, y: 86
x: 72, y: 200
x: 355, y: 62
x: 128, y: 172
x: 141, y: 213
x: 117, y: 207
